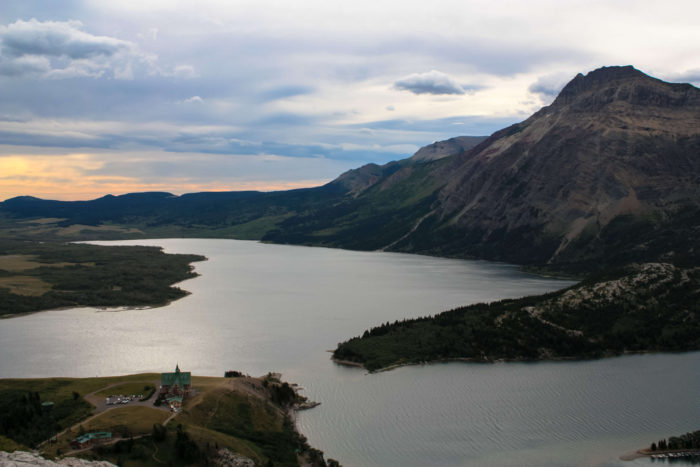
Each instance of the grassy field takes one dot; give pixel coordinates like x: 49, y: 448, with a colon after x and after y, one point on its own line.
x: 242, y: 414
x: 53, y: 228
x: 27, y: 286
x: 134, y: 420
x: 9, y: 445
x: 18, y: 263
x: 56, y: 389
x: 123, y: 422
x: 127, y: 389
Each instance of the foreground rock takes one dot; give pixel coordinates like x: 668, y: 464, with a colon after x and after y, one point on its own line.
x: 228, y: 458
x: 22, y: 459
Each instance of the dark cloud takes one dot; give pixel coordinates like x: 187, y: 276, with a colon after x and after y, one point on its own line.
x: 425, y: 131
x: 61, y: 49
x: 432, y: 82
x: 58, y: 141
x: 56, y: 39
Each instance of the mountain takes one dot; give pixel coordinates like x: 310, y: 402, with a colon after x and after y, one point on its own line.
x: 608, y: 173
x: 243, y: 214
x: 450, y: 147
x: 604, y: 181
x: 615, y: 142
x: 356, y: 181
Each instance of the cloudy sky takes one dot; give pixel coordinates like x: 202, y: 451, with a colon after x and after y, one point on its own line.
x: 102, y: 97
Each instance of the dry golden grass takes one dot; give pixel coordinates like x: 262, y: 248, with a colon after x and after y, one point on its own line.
x: 217, y: 407
x: 208, y: 382
x: 243, y: 447
x: 44, y: 220
x: 58, y: 388
x: 138, y: 419
x: 128, y: 389
x: 77, y: 228
x: 25, y: 285
x: 18, y: 263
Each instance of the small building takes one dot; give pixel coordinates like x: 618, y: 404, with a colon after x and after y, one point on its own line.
x: 177, y: 383
x: 175, y: 402
x: 90, y: 439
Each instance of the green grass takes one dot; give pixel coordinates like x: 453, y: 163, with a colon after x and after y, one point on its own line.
x: 138, y: 420
x: 248, y: 420
x: 130, y: 388
x: 257, y: 228
x: 63, y: 388
x: 9, y: 445
x: 236, y: 413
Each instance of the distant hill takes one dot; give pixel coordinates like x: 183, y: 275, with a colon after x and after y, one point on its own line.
x: 607, y: 174
x: 450, y: 147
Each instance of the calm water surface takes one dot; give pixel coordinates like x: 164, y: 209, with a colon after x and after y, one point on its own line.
x: 259, y: 308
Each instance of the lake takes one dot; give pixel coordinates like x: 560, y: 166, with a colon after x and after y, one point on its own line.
x: 259, y: 308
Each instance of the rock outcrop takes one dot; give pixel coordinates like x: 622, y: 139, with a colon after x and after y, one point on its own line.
x: 26, y: 459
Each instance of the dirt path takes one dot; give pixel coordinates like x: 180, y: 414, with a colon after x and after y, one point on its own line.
x: 155, y: 452
x: 413, y: 229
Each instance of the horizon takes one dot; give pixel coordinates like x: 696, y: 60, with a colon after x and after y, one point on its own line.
x: 99, y: 98
x: 261, y: 189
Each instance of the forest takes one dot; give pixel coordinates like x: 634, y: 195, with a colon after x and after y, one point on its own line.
x: 36, y: 276
x: 640, y: 308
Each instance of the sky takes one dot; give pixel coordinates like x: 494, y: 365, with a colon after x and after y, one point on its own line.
x: 111, y: 97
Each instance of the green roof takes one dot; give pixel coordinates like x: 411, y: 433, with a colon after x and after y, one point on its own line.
x: 175, y: 399
x: 94, y: 435
x: 181, y: 378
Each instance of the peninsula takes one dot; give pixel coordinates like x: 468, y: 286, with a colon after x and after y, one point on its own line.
x: 36, y: 276
x: 237, y: 420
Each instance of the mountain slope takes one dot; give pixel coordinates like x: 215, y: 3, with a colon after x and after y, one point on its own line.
x: 450, y: 147
x: 614, y: 142
x: 605, y: 172
x: 245, y: 214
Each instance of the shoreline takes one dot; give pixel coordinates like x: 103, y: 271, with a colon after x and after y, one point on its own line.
x: 204, y: 388
x: 109, y: 309
x: 660, y: 454
x: 350, y: 363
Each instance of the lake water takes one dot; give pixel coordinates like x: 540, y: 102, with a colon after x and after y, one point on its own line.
x: 259, y: 308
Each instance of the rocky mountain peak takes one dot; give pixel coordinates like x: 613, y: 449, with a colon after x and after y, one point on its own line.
x: 624, y: 84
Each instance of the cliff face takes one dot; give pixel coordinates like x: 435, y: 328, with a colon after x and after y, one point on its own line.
x: 615, y: 142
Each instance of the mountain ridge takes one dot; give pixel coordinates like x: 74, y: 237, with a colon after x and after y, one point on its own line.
x: 597, y: 178
x: 610, y: 163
